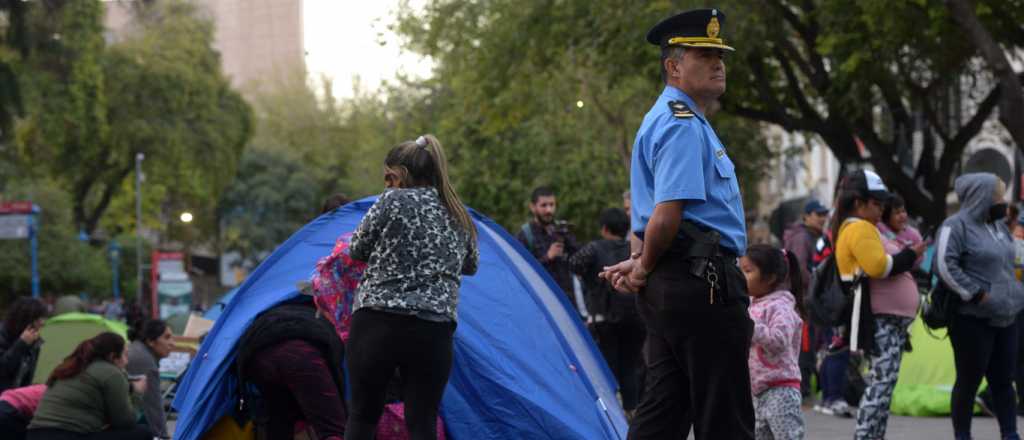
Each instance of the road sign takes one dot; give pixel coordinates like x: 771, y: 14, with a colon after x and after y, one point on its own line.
x: 20, y: 207
x: 14, y: 226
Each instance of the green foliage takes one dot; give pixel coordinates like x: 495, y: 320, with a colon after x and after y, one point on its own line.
x: 159, y: 91
x: 868, y: 74
x: 88, y: 107
x: 504, y: 100
x: 66, y: 265
x: 272, y: 197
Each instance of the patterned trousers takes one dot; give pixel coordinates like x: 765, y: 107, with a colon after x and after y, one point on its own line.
x: 873, y: 415
x: 777, y: 414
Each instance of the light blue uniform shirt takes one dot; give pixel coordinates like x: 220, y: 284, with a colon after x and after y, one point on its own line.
x: 682, y: 159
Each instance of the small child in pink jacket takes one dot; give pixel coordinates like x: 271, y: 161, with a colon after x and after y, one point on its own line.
x: 775, y: 347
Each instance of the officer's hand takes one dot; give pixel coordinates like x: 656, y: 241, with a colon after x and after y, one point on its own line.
x: 556, y: 250
x: 637, y: 278
x: 613, y: 273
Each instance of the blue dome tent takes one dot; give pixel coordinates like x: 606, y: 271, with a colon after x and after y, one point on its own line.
x: 218, y: 307
x: 524, y: 367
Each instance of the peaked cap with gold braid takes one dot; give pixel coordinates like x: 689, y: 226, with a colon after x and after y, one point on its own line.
x: 694, y: 28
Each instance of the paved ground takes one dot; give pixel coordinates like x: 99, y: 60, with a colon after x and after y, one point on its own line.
x: 822, y: 427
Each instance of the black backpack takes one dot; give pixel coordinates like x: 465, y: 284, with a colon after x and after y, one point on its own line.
x: 827, y: 297
x: 941, y: 303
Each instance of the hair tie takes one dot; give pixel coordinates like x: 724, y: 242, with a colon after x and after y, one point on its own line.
x: 784, y: 253
x: 421, y: 142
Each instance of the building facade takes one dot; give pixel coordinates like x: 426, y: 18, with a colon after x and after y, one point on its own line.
x: 260, y: 41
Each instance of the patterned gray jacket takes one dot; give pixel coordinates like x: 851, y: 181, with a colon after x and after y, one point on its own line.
x: 415, y: 253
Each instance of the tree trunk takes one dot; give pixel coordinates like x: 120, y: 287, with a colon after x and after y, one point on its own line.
x: 1011, y: 103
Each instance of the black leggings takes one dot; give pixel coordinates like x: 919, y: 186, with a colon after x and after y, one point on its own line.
x: 378, y: 343
x: 139, y: 432
x: 981, y: 350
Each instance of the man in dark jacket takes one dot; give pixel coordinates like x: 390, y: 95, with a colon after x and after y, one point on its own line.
x: 613, y: 317
x: 800, y: 239
x: 549, y: 241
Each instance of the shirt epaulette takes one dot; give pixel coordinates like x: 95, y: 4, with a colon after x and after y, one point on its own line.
x: 680, y: 110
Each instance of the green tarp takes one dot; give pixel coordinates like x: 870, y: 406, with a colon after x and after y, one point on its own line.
x: 926, y: 375
x: 62, y: 333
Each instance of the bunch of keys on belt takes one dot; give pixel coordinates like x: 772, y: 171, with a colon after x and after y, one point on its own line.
x: 712, y: 278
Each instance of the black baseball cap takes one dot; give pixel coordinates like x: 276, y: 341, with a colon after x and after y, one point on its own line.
x: 694, y: 28
x: 815, y: 207
x: 868, y: 184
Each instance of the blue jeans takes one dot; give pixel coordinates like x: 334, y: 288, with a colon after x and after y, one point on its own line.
x: 833, y: 371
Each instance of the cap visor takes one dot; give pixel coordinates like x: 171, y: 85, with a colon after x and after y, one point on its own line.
x: 708, y: 45
x: 880, y: 195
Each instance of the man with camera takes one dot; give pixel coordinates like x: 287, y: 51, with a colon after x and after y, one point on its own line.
x: 550, y: 240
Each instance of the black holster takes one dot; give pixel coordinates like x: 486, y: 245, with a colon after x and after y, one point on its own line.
x: 696, y: 247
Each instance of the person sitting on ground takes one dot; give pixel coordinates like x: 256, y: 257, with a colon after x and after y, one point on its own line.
x: 90, y: 396
x: 151, y: 341
x: 20, y: 342
x: 17, y: 405
x: 294, y: 357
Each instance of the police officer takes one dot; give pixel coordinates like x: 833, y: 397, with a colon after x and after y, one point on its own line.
x: 688, y: 230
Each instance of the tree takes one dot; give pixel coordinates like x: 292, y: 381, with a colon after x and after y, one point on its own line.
x: 506, y: 91
x: 272, y: 197
x: 159, y: 92
x: 1011, y: 102
x: 864, y: 76
x: 67, y: 266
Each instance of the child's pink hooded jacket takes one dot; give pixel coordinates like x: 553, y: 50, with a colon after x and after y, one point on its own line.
x: 775, y: 348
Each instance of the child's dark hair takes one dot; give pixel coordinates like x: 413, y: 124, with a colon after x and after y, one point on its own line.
x: 781, y: 264
x: 894, y: 203
x: 616, y: 220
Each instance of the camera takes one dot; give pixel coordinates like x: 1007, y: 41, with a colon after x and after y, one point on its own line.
x: 561, y: 230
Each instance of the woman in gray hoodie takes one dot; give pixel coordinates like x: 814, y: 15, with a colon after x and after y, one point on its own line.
x: 974, y: 257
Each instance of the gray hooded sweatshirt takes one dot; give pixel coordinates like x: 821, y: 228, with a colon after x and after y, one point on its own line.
x: 974, y: 255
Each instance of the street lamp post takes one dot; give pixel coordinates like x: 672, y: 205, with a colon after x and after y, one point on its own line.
x: 115, y: 260
x: 139, y: 157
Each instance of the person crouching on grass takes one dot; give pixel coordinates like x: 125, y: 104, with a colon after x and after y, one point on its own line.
x: 775, y: 347
x: 417, y: 240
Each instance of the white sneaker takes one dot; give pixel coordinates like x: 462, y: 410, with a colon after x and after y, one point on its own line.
x: 837, y: 408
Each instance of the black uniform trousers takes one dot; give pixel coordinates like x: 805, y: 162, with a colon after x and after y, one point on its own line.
x: 696, y: 355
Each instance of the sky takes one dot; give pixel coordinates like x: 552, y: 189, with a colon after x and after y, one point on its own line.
x: 342, y: 42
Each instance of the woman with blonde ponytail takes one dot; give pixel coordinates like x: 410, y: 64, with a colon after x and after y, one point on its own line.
x: 417, y: 240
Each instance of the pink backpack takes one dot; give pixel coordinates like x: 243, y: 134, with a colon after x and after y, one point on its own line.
x: 334, y: 283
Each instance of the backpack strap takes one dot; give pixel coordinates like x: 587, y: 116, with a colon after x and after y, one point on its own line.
x: 528, y: 233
